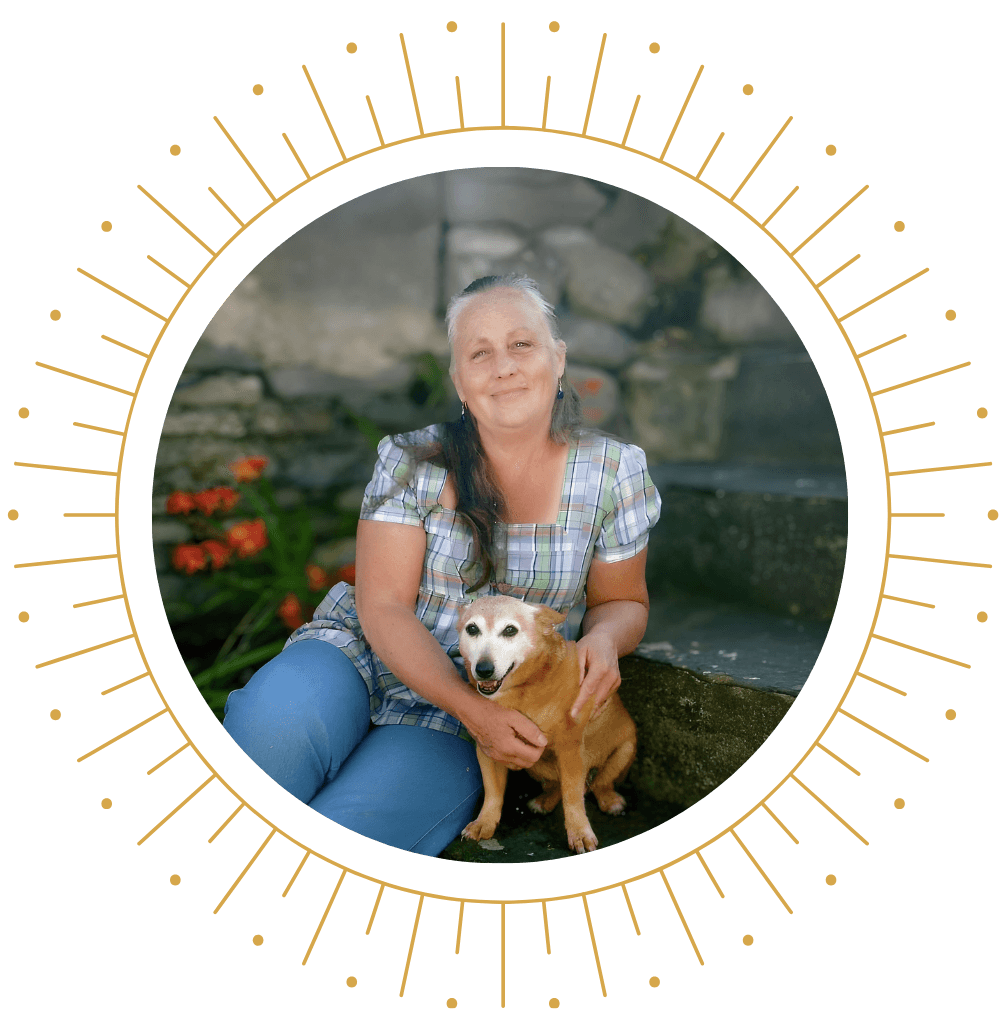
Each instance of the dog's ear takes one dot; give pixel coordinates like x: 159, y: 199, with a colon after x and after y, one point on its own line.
x: 546, y: 618
x: 463, y: 618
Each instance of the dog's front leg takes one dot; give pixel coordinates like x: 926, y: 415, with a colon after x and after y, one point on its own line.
x: 494, y: 784
x: 572, y: 779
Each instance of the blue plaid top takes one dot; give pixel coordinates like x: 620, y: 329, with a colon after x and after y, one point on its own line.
x: 608, y: 506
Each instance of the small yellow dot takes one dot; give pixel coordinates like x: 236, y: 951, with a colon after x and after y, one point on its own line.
x: 993, y: 514
x: 351, y: 982
x: 899, y: 226
x: 451, y: 27
x: 553, y: 26
x: 981, y: 412
x: 55, y: 714
x: 654, y: 47
x: 258, y: 939
x: 23, y: 412
x: 981, y: 617
x: 654, y: 982
x: 11, y: 515
x: 105, y: 226
x: 175, y: 150
x: 831, y: 150
x: 452, y: 1002
x: 899, y: 804
x: 258, y: 89
x: 175, y: 878
x: 23, y: 616
x: 747, y: 89
x: 831, y: 879
x: 950, y: 714
x: 352, y: 47
x: 950, y: 315
x: 553, y: 1003
x: 747, y: 939
x: 55, y: 315
x: 105, y: 804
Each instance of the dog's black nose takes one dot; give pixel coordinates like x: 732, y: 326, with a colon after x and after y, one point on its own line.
x: 484, y: 670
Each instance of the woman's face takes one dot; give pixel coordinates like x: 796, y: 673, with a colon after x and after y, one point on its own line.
x: 507, y: 365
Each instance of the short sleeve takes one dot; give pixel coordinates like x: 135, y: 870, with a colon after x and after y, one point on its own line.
x: 633, y: 507
x: 391, y: 495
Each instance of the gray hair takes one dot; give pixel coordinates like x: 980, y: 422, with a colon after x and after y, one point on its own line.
x: 513, y: 280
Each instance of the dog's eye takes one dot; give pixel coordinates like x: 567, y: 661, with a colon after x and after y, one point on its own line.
x: 510, y: 631
x: 471, y: 629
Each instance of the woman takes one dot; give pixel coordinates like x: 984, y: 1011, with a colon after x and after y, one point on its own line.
x: 513, y: 498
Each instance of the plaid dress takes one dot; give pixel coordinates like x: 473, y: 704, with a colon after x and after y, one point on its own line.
x: 607, y: 508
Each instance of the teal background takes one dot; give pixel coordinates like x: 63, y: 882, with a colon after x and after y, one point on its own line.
x: 94, y: 98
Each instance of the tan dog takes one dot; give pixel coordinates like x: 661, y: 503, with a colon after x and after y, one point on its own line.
x: 514, y: 655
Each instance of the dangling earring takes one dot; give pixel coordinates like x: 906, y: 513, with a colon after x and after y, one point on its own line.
x: 464, y: 408
x: 559, y: 394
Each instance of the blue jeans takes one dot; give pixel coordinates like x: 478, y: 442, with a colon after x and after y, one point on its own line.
x: 304, y: 719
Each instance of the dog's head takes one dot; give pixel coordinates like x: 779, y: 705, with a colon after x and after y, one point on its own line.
x: 497, y: 634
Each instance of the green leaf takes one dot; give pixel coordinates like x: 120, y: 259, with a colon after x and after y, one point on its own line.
x: 258, y: 655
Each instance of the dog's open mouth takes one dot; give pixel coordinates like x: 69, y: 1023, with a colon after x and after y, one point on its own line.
x: 490, y: 687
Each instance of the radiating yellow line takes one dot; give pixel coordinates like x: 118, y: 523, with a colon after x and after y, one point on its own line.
x: 94, y: 602
x: 631, y: 912
x: 413, y: 91
x: 882, y: 345
x: 833, y: 274
x: 131, y: 349
x: 413, y: 938
x: 928, y: 470
x: 763, y: 224
x: 124, y: 295
x: 458, y: 933
x: 687, y: 930
x: 774, y: 817
x: 593, y: 942
x: 711, y: 153
x: 71, y: 559
x: 175, y: 809
x: 916, y: 515
x: 82, y: 652
x: 458, y: 93
x: 545, y: 108
x: 163, y: 267
x: 378, y: 899
x: 545, y: 923
x: 177, y: 221
x: 770, y: 884
x: 687, y: 100
x: 295, y: 154
x: 760, y: 159
x: 934, y: 559
x: 246, y: 160
x: 922, y: 378
x: 228, y: 209
x: 82, y: 378
x: 503, y: 74
x: 809, y: 238
x: 296, y: 874
x: 828, y: 809
x: 55, y: 467
x: 711, y: 876
x: 882, y: 295
x: 111, y: 741
x: 371, y: 110
x: 882, y: 734
x: 875, y: 681
x: 326, y: 118
x: 170, y: 757
x: 503, y: 953
x: 94, y: 427
x: 232, y: 887
x: 114, y: 688
x: 593, y: 88
x: 225, y: 823
x: 912, y: 427
x: 912, y: 602
x: 323, y: 919
x: 628, y: 127
x: 923, y: 652
x: 820, y: 745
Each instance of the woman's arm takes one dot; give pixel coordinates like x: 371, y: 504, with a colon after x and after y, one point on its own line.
x: 615, y: 621
x: 389, y: 568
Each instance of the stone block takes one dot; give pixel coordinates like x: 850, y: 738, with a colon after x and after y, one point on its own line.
x: 332, y: 555
x: 170, y: 530
x: 208, y: 357
x: 742, y: 312
x: 226, y: 389
x: 307, y: 382
x: 596, y: 343
x: 205, y: 422
x: 629, y: 221
x: 202, y: 460
x: 599, y: 392
x: 319, y: 470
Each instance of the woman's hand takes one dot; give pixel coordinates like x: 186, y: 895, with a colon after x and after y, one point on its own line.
x: 506, y: 736
x: 599, y: 675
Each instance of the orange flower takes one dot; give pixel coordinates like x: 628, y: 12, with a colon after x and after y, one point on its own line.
x: 290, y: 611
x: 207, y: 501
x: 346, y: 573
x: 217, y: 552
x: 248, y: 469
x: 316, y: 577
x: 188, y: 558
x: 592, y: 385
x: 180, y: 503
x: 228, y: 498
x: 247, y: 538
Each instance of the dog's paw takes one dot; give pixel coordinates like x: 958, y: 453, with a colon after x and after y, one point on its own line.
x: 582, y: 840
x: 478, y: 830
x: 539, y: 805
x: 612, y: 804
